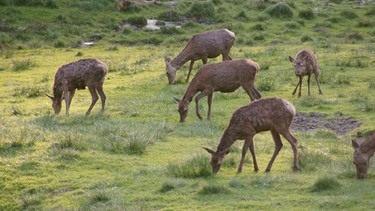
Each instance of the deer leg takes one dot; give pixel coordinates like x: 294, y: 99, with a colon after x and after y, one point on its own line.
x: 293, y: 142
x: 209, y: 102
x: 249, y: 143
x: 295, y: 89
x: 252, y: 150
x: 317, y: 82
x: 67, y: 101
x: 308, y: 84
x: 190, y: 68
x: 197, y: 98
x: 102, y: 96
x: 95, y: 98
x: 251, y: 91
x: 278, y: 146
x: 71, y: 95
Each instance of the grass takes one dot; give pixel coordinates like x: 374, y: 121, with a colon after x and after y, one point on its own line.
x: 137, y: 156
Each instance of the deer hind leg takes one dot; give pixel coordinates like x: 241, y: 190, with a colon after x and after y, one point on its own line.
x: 251, y: 91
x: 248, y: 144
x: 293, y: 142
x: 209, y: 102
x: 102, y: 96
x: 318, y: 83
x: 95, y: 98
x: 308, y: 85
x: 278, y: 146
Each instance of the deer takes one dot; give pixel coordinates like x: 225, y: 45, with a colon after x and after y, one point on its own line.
x: 305, y: 63
x: 200, y: 47
x: 267, y: 114
x: 225, y: 77
x: 78, y: 75
x: 362, y: 153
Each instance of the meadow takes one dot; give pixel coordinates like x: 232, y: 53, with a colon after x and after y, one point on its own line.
x: 136, y: 155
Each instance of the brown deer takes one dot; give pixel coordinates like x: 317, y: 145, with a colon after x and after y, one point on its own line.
x: 362, y: 154
x: 305, y: 63
x: 201, y: 46
x: 78, y: 75
x: 226, y: 76
x: 268, y: 114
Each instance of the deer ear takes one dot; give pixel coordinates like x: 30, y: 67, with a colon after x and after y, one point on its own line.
x: 304, y: 58
x: 291, y: 59
x: 176, y: 99
x: 209, y: 150
x: 49, y: 96
x: 355, y: 144
x: 167, y: 60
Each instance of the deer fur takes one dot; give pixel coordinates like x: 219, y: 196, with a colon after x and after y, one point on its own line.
x: 305, y: 63
x: 78, y: 75
x: 226, y: 76
x: 200, y: 47
x: 362, y: 153
x: 268, y: 114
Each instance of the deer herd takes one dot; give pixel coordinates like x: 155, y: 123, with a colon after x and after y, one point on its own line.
x: 261, y: 114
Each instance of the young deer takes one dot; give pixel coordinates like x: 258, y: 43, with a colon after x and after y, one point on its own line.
x: 226, y: 76
x: 78, y: 75
x: 268, y: 114
x: 362, y: 154
x: 200, y: 47
x: 305, y: 63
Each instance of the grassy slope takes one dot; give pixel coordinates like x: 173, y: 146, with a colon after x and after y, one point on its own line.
x: 78, y: 162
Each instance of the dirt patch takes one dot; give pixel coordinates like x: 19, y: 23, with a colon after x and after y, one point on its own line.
x: 337, y: 122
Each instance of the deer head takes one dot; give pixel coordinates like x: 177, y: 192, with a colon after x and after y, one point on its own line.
x: 56, y: 103
x: 361, y: 159
x: 170, y: 70
x: 217, y: 159
x: 299, y: 65
x: 183, y: 108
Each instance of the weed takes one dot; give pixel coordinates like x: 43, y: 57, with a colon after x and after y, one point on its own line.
x: 167, y: 186
x: 306, y: 38
x: 202, y: 10
x: 236, y: 183
x: 138, y: 21
x: 325, y: 184
x: 23, y: 65
x: 280, y: 10
x: 214, y: 189
x: 197, y: 166
x: 264, y: 182
x: 307, y: 14
x: 348, y: 14
x: 311, y: 101
x: 79, y: 54
x: 266, y: 84
x: 310, y: 160
x: 258, y: 27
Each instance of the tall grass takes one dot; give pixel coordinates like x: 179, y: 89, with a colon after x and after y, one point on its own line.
x: 194, y: 167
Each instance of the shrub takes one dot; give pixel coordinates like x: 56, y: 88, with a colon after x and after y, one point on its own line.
x: 348, y: 14
x: 139, y: 21
x: 306, y: 14
x: 280, y: 10
x: 306, y: 38
x: 325, y: 184
x: 202, y: 10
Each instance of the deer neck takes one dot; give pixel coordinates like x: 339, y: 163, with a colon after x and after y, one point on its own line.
x: 181, y: 59
x: 368, y: 146
x: 226, y: 142
x: 190, y: 92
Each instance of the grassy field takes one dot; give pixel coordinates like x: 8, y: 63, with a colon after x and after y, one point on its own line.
x: 137, y: 156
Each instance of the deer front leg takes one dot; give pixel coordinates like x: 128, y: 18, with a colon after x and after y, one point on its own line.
x: 249, y: 143
x: 252, y: 150
x: 317, y: 82
x: 295, y: 89
x: 102, y: 96
x: 209, y: 102
x: 190, y: 68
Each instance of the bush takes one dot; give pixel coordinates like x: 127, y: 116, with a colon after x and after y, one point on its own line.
x: 306, y: 14
x: 202, y: 10
x: 280, y: 10
x: 138, y: 21
x: 348, y: 14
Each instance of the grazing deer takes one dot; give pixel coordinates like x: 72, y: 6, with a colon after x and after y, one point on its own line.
x: 305, y: 63
x: 362, y: 154
x: 268, y: 114
x: 78, y: 75
x: 226, y: 76
x: 201, y: 46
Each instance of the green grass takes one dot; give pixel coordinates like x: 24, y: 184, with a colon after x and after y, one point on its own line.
x: 137, y: 156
